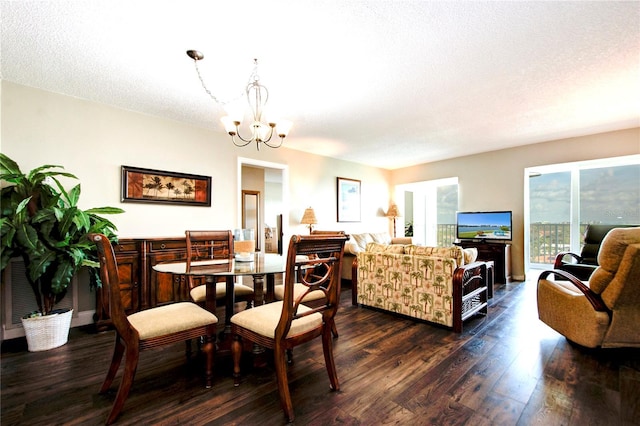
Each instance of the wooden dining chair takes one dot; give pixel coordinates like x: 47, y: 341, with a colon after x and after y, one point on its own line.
x: 312, y: 298
x: 209, y: 245
x: 284, y: 324
x: 147, y: 329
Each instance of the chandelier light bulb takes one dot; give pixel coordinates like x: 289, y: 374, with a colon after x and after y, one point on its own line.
x: 230, y: 125
x: 283, y: 128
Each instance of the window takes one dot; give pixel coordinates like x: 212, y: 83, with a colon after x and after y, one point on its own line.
x: 550, y: 215
x: 563, y: 199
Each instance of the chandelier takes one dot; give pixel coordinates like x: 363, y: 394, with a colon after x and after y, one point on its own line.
x: 257, y: 96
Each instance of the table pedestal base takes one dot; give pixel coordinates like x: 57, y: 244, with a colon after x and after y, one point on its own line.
x: 225, y: 338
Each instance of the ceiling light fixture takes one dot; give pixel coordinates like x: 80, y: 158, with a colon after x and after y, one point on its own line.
x: 257, y: 96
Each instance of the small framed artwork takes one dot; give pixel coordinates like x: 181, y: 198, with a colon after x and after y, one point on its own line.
x: 157, y: 186
x: 348, y: 200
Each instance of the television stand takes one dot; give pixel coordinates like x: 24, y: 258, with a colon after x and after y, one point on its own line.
x: 498, y: 252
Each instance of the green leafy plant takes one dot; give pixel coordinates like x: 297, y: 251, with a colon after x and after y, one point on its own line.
x: 41, y: 223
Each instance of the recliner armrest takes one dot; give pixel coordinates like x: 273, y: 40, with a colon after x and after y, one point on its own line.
x: 593, y: 298
x: 560, y: 256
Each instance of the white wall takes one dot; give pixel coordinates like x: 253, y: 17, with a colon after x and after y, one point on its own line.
x: 92, y: 141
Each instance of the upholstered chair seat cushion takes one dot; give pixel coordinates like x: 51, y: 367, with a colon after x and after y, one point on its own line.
x: 199, y: 293
x: 298, y: 290
x: 571, y: 313
x: 264, y: 320
x: 170, y: 319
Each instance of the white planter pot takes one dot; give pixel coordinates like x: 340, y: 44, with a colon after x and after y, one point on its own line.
x: 47, y: 332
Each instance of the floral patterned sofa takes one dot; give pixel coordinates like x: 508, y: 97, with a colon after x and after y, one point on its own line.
x: 441, y: 285
x: 358, y: 243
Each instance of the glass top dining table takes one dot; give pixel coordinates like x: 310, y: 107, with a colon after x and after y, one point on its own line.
x: 263, y: 265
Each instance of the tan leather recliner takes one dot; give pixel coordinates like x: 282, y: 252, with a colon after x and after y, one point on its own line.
x: 604, y: 311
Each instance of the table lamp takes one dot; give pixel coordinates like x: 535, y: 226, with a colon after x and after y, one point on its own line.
x: 309, y: 218
x: 393, y: 213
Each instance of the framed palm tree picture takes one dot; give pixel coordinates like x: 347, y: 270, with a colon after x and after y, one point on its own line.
x: 157, y: 186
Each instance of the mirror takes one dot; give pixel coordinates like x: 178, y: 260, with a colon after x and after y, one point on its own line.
x: 251, y: 213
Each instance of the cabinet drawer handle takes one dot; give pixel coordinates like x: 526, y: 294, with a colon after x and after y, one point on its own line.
x: 163, y: 246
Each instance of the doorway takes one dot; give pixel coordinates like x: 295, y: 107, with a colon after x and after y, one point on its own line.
x: 271, y: 182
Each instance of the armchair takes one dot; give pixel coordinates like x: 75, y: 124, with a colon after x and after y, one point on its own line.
x: 605, y: 311
x: 582, y: 265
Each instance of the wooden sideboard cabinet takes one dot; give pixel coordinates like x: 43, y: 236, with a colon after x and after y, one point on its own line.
x: 499, y: 253
x: 140, y: 286
x: 164, y: 288
x: 127, y: 254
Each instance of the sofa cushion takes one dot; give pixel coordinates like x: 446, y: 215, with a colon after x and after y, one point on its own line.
x: 454, y: 252
x: 402, y: 240
x: 385, y: 248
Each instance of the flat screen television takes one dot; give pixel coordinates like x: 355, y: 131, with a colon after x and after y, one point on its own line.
x: 483, y: 225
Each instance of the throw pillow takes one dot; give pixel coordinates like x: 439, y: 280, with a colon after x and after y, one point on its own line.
x: 470, y: 255
x: 361, y: 240
x: 381, y: 238
x: 351, y: 248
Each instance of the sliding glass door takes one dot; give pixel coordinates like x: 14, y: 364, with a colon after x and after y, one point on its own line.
x: 563, y: 199
x: 550, y: 215
x: 430, y: 211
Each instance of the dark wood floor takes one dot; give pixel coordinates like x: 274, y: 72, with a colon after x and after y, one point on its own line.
x: 505, y: 369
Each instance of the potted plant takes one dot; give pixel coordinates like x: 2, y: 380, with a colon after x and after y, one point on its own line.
x: 41, y: 222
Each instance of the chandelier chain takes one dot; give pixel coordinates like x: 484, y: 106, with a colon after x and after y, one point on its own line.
x: 261, y: 132
x: 211, y: 95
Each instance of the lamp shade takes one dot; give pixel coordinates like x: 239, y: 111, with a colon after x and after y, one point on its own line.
x: 393, y: 211
x: 283, y: 127
x: 309, y: 217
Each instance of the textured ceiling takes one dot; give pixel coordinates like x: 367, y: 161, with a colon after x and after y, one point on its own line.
x: 384, y: 83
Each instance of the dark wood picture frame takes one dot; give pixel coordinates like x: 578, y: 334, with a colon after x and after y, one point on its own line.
x: 157, y: 186
x: 349, y: 198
